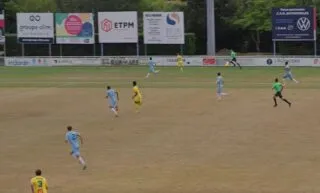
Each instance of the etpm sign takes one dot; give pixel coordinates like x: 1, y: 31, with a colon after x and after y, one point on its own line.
x: 294, y: 24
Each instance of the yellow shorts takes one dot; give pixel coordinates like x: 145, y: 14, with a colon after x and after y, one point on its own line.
x: 180, y: 64
x: 137, y: 101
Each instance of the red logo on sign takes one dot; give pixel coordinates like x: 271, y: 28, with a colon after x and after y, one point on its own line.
x: 209, y: 61
x: 106, y: 25
x: 316, y: 61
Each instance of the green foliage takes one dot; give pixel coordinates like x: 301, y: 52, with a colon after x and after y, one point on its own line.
x: 248, y: 20
x: 31, y: 6
x: 255, y: 14
x: 156, y: 5
x: 190, y: 47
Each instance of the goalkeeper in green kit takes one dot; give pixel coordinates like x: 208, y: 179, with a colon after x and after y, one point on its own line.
x: 233, y: 61
x: 278, y: 87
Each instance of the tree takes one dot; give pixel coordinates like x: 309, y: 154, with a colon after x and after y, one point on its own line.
x: 255, y: 15
x: 31, y: 6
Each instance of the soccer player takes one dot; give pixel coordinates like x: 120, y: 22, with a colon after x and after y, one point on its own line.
x: 38, y: 183
x: 278, y: 87
x: 233, y: 61
x: 137, y: 97
x: 72, y: 137
x: 152, y: 65
x: 219, y: 83
x: 288, y: 73
x: 113, y: 97
x: 180, y: 62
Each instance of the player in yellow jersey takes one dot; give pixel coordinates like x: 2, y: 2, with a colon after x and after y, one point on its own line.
x: 38, y: 183
x: 180, y: 62
x: 137, y: 97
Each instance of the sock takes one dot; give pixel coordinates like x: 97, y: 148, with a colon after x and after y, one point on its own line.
x: 114, y: 111
x: 275, y: 101
x: 148, y: 75
x: 181, y: 69
x: 82, y: 162
x: 137, y: 107
x: 295, y: 81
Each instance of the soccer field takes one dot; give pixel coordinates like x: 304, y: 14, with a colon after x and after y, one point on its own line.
x: 183, y: 141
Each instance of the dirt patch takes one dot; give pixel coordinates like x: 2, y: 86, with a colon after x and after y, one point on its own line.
x: 183, y: 141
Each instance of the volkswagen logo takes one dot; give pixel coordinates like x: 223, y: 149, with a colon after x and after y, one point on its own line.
x: 303, y: 24
x: 34, y: 18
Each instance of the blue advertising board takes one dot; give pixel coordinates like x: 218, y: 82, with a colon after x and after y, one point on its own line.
x: 294, y: 24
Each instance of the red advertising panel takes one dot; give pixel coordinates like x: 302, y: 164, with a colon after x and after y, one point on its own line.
x: 208, y: 61
x: 2, y: 37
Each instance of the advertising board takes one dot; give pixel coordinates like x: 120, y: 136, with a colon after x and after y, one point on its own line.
x: 294, y: 24
x: 94, y: 61
x: 35, y: 28
x: 2, y: 27
x: 118, y: 27
x: 74, y: 28
x: 21, y: 61
x: 163, y: 28
x: 120, y: 60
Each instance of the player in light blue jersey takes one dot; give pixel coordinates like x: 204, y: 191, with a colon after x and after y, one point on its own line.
x: 288, y: 73
x: 113, y: 97
x: 219, y: 83
x: 152, y: 65
x: 73, y: 137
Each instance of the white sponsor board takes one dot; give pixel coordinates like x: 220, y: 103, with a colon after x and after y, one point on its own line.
x: 172, y: 61
x: 95, y: 61
x: 20, y: 61
x: 120, y: 60
x: 163, y: 27
x: 35, y: 28
x: 280, y: 61
x: 265, y: 61
x: 160, y: 61
x: 118, y: 27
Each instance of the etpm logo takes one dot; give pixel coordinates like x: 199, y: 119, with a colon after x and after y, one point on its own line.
x: 106, y: 25
x: 173, y: 19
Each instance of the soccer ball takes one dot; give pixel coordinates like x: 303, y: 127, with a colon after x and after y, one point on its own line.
x: 227, y: 64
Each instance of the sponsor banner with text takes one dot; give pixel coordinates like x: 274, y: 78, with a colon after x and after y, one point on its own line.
x: 35, y: 28
x: 160, y: 61
x: 294, y: 24
x: 76, y: 61
x: 209, y: 61
x: 172, y: 60
x: 118, y: 60
x: 280, y: 61
x: 74, y: 28
x: 163, y: 28
x: 16, y: 61
x: 118, y: 27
